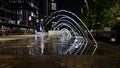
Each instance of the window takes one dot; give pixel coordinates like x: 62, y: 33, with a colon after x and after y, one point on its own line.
x: 32, y: 4
x: 30, y: 18
x: 53, y: 6
x: 37, y: 20
x: 32, y: 14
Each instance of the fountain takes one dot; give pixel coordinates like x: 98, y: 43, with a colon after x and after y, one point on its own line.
x: 73, y: 32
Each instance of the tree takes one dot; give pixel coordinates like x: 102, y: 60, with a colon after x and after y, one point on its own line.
x: 102, y: 14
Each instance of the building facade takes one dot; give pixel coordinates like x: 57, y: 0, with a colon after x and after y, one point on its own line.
x: 17, y: 15
x: 50, y: 6
x: 4, y: 12
x: 24, y: 12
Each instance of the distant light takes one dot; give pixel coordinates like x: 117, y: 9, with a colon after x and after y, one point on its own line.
x: 41, y: 20
x: 52, y: 0
x: 32, y: 14
x: 32, y: 4
x: 30, y: 18
x: 113, y: 39
x: 18, y: 22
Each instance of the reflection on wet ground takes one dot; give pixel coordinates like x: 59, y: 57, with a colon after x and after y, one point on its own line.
x: 27, y: 51
x: 31, y: 45
x: 34, y: 45
x: 41, y: 61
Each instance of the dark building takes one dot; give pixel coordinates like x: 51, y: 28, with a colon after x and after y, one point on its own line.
x: 24, y: 12
x: 4, y: 12
x: 19, y: 14
x: 48, y: 6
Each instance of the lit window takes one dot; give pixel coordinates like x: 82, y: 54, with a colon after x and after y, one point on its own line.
x: 30, y: 18
x: 18, y: 22
x: 37, y: 20
x: 32, y: 14
x: 53, y: 6
x: 32, y: 4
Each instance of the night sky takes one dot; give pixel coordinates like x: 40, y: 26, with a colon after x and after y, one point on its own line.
x: 70, y: 5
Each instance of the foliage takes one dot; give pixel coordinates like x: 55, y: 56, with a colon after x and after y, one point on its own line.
x: 102, y: 14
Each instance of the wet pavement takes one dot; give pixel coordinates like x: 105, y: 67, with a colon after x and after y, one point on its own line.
x: 29, y: 51
x: 53, y: 61
x: 26, y: 51
x: 29, y: 62
x: 28, y: 45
